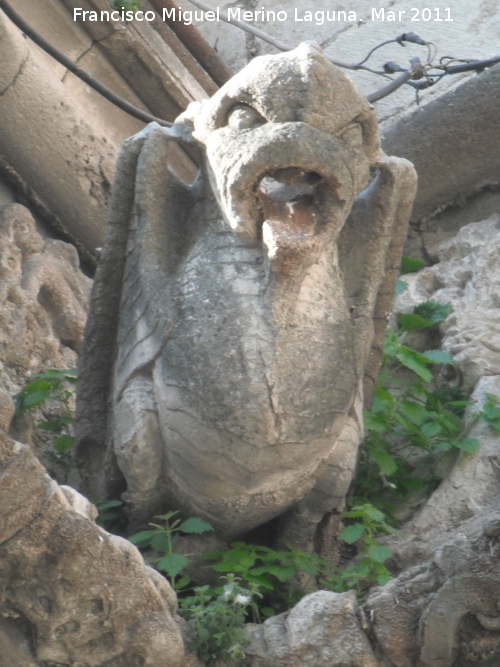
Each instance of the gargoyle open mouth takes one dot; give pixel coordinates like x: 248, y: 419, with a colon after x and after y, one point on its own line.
x: 289, y: 184
x: 289, y: 198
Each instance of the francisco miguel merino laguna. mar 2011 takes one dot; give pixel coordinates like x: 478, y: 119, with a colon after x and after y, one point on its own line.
x: 189, y: 17
x: 263, y: 15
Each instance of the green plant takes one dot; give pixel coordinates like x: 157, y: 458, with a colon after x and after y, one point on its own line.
x: 163, y: 537
x: 369, y: 523
x: 217, y: 615
x: 109, y: 512
x: 409, y: 414
x: 408, y: 265
x: 490, y: 413
x: 272, y: 572
x: 266, y: 569
x: 56, y: 385
x: 217, y: 619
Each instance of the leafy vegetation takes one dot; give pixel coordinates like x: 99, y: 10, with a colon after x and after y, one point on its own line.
x: 110, y: 514
x: 217, y: 619
x: 369, y: 522
x: 259, y: 580
x: 412, y: 414
x: 162, y: 537
x: 58, y: 386
x: 273, y: 572
x: 490, y: 414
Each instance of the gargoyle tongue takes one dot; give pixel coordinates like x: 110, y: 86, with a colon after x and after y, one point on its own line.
x: 288, y: 230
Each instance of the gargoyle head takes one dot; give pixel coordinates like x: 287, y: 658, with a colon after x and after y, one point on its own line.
x: 304, y: 138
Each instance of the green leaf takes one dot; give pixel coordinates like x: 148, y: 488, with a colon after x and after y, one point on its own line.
x: 172, y: 564
x: 107, y: 504
x: 64, y: 443
x: 38, y: 384
x: 412, y: 322
x: 373, y: 513
x: 384, y: 461
x: 410, y: 264
x: 415, y: 362
x: 439, y: 357
x: 383, y: 399
x: 195, y: 525
x: 182, y: 582
x: 260, y: 580
x: 378, y: 552
x: 378, y: 423
x: 267, y: 612
x: 160, y: 542
x: 227, y: 567
x: 352, y: 533
x: 443, y: 446
x: 491, y: 412
x: 413, y: 411
x: 433, y: 310
x: 35, y: 398
x: 56, y: 424
x: 492, y: 399
x: 378, y: 405
x: 469, y: 445
x: 392, y: 343
x: 431, y: 429
x: 382, y: 579
x: 143, y: 538
x: 52, y: 374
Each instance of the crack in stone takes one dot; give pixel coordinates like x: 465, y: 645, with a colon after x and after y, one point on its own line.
x: 77, y: 60
x: 16, y: 76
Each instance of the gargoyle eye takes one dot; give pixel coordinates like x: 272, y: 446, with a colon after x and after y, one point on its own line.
x: 244, y: 117
x: 353, y: 134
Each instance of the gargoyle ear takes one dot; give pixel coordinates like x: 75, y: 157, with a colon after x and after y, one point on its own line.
x: 370, y: 247
x: 183, y: 126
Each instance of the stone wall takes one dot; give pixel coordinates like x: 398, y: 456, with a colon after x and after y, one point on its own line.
x: 58, y: 137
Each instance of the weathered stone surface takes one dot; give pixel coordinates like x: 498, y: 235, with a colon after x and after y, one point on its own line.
x: 454, y: 144
x: 43, y: 303
x: 59, y: 135
x: 70, y: 592
x: 466, y: 276
x: 66, y: 159
x: 444, y: 612
x: 472, y: 485
x: 322, y: 630
x: 246, y: 309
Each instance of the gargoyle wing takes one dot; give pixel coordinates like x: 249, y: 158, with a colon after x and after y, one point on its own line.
x: 370, y: 250
x: 127, y: 311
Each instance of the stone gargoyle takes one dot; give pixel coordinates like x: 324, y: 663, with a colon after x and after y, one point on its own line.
x: 234, y: 319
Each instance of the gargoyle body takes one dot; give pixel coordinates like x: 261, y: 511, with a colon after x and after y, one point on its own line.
x: 232, y: 319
